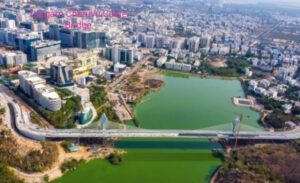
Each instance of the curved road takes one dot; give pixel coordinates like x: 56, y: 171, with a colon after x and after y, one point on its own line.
x: 21, y: 124
x: 24, y: 128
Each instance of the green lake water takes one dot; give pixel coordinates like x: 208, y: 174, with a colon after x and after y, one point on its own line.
x: 152, y: 161
x: 191, y: 102
x: 185, y: 102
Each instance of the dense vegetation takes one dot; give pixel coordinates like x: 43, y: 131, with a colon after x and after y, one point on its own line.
x: 277, y: 119
x: 101, y: 80
x: 239, y: 64
x: 7, y: 176
x: 63, y: 93
x: 110, y: 113
x: 258, y: 164
x: 32, y: 161
x: 296, y: 110
x: 70, y: 165
x: 115, y: 159
x: 269, y: 103
x: 99, y: 99
x: 98, y: 96
x: 236, y: 67
x: 64, y: 118
x: 293, y: 93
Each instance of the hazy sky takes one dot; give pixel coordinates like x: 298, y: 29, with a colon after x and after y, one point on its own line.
x: 287, y: 2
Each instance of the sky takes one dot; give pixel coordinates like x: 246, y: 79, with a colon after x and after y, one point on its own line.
x: 286, y: 2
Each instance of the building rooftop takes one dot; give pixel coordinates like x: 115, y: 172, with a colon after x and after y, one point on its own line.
x: 27, y: 74
x: 75, y: 52
x: 35, y: 79
x: 44, y: 43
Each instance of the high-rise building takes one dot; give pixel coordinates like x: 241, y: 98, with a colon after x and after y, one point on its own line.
x: 12, y: 58
x: 11, y: 24
x: 176, y: 43
x: 120, y: 54
x: 10, y: 15
x: 54, y: 31
x: 193, y: 44
x: 126, y: 56
x: 102, y: 39
x: 61, y: 74
x: 205, y: 41
x: 41, y: 50
x: 160, y: 41
x: 27, y: 25
x: 112, y: 53
x: 21, y: 39
x: 141, y: 38
x: 77, y: 38
x: 24, y: 42
x: 85, y: 39
x: 150, y: 41
x: 66, y: 37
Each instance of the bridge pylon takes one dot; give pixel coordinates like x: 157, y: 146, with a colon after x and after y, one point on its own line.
x: 103, y: 121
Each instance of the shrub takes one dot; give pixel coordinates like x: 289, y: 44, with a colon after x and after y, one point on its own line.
x: 66, y: 145
x: 296, y: 110
x: 7, y: 176
x: 46, y: 178
x: 115, y: 159
x: 70, y: 165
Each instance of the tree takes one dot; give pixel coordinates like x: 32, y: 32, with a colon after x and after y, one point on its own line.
x: 100, y: 80
x: 46, y: 178
x: 70, y: 164
x: 98, y: 96
x: 66, y: 145
x: 2, y: 111
x: 277, y: 119
x: 296, y: 110
x: 269, y: 103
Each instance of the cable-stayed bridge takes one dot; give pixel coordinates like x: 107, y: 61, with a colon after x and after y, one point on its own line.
x: 23, y: 125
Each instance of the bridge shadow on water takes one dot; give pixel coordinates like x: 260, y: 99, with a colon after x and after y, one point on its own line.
x: 169, y: 150
x: 167, y: 144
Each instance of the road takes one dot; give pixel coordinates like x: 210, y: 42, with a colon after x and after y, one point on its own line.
x: 43, y: 134
x: 259, y: 36
x: 22, y: 125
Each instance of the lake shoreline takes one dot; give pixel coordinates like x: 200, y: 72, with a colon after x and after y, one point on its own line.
x: 197, y: 93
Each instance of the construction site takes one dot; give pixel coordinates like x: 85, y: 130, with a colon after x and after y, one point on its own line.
x: 129, y: 89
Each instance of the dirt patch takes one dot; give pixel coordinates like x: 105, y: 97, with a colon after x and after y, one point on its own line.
x: 141, y: 82
x: 153, y: 83
x: 218, y: 62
